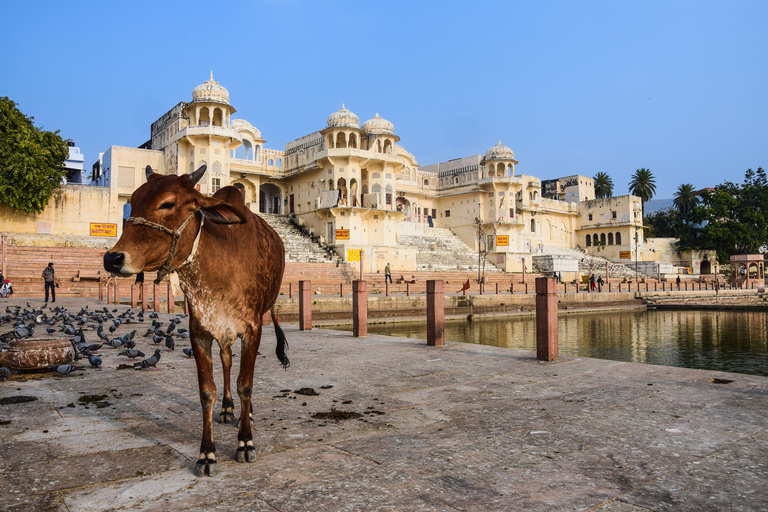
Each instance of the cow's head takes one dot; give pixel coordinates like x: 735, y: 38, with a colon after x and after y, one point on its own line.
x: 158, y: 208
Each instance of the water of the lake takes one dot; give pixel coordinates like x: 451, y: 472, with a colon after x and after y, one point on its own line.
x: 731, y: 341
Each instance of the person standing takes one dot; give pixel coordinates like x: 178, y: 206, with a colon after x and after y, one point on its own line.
x: 387, y: 274
x: 600, y: 284
x: 592, y: 283
x: 50, y: 282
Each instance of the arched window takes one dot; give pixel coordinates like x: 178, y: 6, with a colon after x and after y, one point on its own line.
x: 533, y: 225
x: 270, y: 162
x: 602, y: 238
x: 610, y: 238
x: 341, y: 140
x: 426, y: 182
x: 352, y: 140
x: 595, y: 239
x: 589, y: 241
x: 618, y: 238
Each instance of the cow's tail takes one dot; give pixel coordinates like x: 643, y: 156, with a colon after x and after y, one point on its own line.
x: 282, y: 342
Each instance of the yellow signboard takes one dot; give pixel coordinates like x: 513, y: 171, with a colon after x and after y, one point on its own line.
x: 342, y: 234
x: 502, y: 240
x: 353, y: 254
x: 98, y: 229
x: 625, y: 255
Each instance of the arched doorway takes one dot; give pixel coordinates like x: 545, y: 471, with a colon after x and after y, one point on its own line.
x: 706, y: 267
x: 270, y: 199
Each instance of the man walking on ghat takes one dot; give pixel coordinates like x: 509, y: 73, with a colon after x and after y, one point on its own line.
x: 50, y: 282
x: 387, y: 274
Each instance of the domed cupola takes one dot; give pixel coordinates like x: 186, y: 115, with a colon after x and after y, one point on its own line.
x: 210, y: 92
x: 378, y: 126
x: 499, y: 152
x: 343, y: 118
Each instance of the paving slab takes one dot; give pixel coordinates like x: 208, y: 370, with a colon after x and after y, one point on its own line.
x: 461, y: 427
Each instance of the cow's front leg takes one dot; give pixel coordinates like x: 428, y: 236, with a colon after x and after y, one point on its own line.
x: 246, y: 452
x: 227, y: 414
x: 201, y: 346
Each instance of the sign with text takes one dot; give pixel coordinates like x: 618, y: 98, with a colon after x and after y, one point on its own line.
x: 98, y: 229
x: 342, y: 234
x: 353, y: 254
x: 502, y: 240
x: 625, y: 255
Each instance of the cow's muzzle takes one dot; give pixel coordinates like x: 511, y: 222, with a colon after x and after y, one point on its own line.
x: 113, y: 262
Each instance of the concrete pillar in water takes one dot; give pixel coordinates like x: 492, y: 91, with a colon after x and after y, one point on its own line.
x: 305, y: 305
x: 359, y: 309
x: 546, y: 319
x: 171, y: 300
x: 435, y: 314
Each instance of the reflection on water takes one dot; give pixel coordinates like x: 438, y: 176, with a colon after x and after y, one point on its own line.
x: 733, y: 341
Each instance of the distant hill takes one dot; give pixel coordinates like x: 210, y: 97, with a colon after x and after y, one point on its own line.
x: 655, y: 205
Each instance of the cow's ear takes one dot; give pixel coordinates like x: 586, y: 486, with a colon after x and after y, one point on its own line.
x: 220, y: 212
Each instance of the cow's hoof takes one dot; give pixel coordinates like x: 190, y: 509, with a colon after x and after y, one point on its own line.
x: 226, y: 417
x: 205, y: 467
x: 246, y: 453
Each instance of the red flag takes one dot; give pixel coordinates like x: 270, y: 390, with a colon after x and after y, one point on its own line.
x: 465, y: 287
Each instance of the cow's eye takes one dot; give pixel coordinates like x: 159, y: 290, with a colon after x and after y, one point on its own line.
x: 167, y: 206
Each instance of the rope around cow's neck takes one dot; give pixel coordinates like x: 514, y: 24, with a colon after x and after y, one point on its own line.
x: 167, y: 268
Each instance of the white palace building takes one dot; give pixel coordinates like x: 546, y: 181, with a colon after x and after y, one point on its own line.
x: 356, y: 187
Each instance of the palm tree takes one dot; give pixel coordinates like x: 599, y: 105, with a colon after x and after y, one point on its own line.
x: 603, y: 185
x: 685, y: 200
x: 643, y: 185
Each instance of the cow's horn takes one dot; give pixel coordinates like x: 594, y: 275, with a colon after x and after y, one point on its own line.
x: 194, y: 177
x: 149, y: 171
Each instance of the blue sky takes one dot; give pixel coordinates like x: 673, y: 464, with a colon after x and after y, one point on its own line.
x: 678, y: 87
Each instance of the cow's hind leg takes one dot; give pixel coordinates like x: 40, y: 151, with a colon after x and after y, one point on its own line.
x: 246, y: 452
x: 201, y: 346
x: 227, y: 414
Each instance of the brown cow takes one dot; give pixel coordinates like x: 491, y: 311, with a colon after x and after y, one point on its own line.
x: 230, y: 265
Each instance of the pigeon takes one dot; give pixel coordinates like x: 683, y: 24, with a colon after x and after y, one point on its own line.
x: 150, y: 362
x: 115, y: 343
x: 94, y: 360
x: 64, y: 369
x: 169, y: 342
x: 50, y: 330
x: 100, y: 333
x: 157, y: 339
x: 94, y: 347
x: 188, y: 352
x: 5, y: 373
x: 132, y: 354
x: 129, y: 343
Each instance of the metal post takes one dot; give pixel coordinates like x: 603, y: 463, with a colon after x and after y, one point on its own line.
x: 134, y: 295
x: 156, y: 297
x: 101, y: 292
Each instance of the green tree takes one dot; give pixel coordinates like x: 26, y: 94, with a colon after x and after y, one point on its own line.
x: 685, y: 201
x: 603, y: 185
x: 31, y: 160
x: 643, y: 185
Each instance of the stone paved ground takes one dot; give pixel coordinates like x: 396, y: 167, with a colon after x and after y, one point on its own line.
x: 464, y: 427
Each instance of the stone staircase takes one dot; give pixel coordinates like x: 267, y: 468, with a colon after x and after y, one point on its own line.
x: 442, y: 251
x: 299, y: 245
x: 589, y: 264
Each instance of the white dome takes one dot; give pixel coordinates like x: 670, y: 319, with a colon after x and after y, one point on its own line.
x: 343, y: 118
x: 378, y: 125
x: 499, y: 152
x: 210, y: 91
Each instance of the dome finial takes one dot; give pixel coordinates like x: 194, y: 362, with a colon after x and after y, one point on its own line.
x: 343, y: 107
x: 211, y: 75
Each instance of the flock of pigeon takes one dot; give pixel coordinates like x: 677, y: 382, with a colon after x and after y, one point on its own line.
x: 86, y: 332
